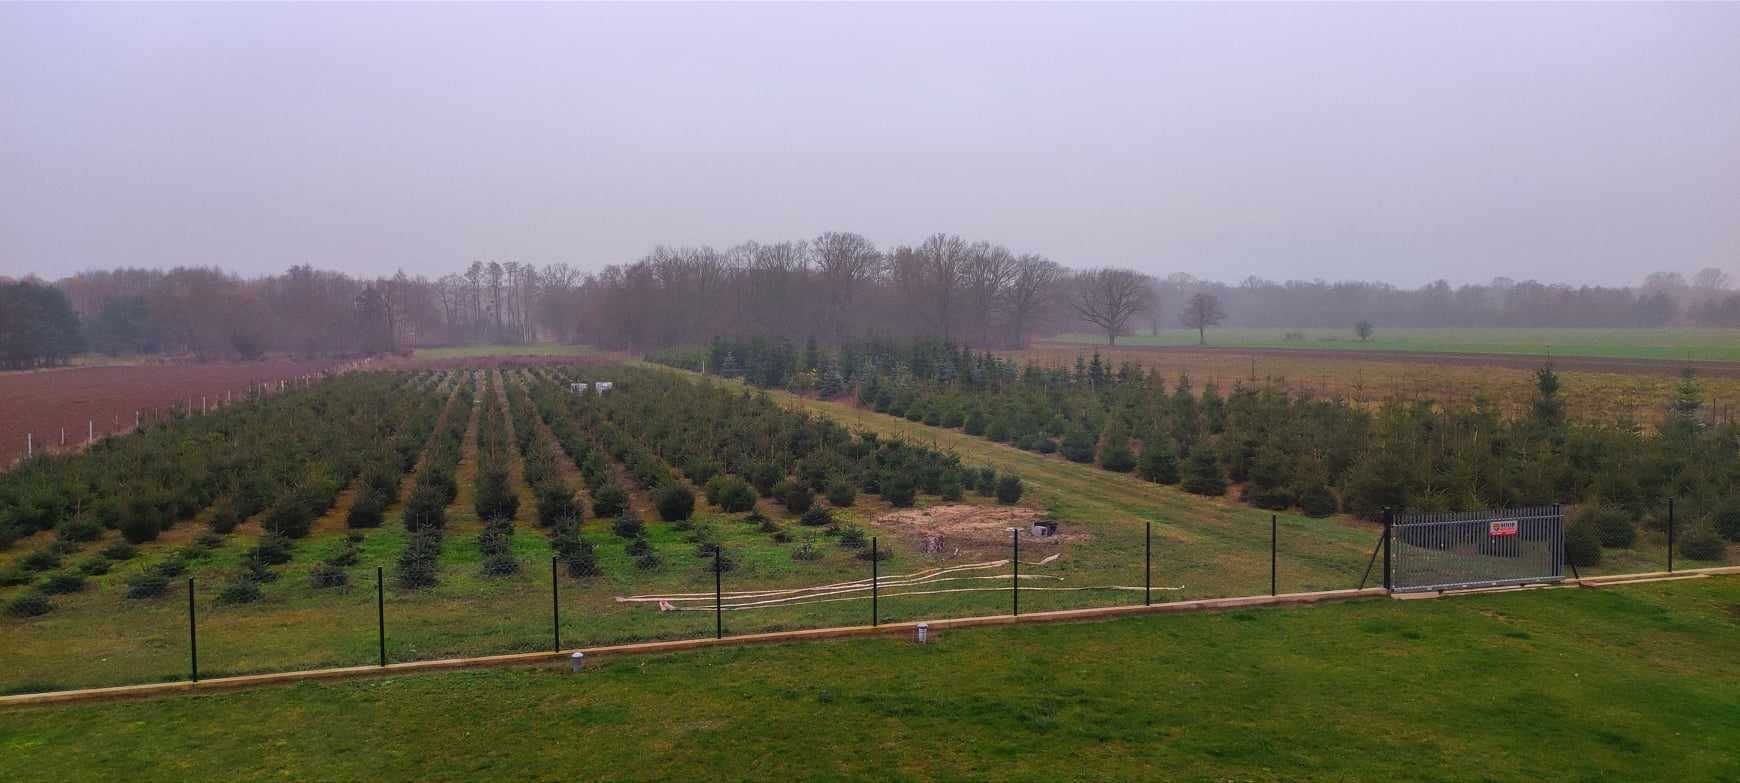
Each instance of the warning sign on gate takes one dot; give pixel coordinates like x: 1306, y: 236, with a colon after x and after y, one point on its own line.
x: 1502, y: 527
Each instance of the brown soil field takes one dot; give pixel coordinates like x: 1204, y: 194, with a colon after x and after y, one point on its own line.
x: 105, y: 399
x: 1595, y: 389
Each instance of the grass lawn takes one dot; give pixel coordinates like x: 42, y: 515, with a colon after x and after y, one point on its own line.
x: 1625, y: 683
x: 482, y: 351
x: 1674, y: 344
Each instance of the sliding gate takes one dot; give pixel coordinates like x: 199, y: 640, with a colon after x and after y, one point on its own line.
x: 1465, y: 549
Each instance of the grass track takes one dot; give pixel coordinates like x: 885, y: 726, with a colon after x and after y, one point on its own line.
x: 1629, y: 683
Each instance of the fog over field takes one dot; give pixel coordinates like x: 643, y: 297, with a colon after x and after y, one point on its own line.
x: 1404, y: 143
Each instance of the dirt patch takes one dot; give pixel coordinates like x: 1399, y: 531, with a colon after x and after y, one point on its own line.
x: 960, y: 528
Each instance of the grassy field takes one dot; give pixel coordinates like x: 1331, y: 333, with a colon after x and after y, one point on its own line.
x: 482, y: 351
x: 1627, y: 683
x: 1669, y: 344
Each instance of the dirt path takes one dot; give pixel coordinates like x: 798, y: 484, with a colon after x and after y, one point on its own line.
x: 516, y: 460
x: 545, y: 438
x: 466, y: 473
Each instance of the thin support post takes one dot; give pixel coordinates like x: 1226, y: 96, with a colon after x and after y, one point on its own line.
x: 381, y: 612
x: 718, y: 604
x: 1148, y: 564
x: 555, y: 607
x: 192, y: 633
x: 1015, y: 576
x: 1274, y: 549
x: 1670, y: 535
x: 875, y: 581
x: 1389, y: 573
x: 1371, y: 562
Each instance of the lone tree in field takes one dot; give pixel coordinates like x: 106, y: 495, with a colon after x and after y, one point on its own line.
x: 1364, y: 330
x: 1108, y: 297
x: 1202, y: 311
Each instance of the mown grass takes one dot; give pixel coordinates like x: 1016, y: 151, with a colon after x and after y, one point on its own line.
x: 1672, y: 344
x: 1630, y: 683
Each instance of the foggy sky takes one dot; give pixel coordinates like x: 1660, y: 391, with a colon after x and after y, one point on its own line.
x: 1585, y: 144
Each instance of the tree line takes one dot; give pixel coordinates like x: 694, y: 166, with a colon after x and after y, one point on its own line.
x: 833, y: 287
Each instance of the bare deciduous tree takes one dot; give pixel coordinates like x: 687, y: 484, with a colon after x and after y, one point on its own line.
x: 1108, y: 297
x: 1028, y: 296
x: 846, y: 261
x: 1201, y: 311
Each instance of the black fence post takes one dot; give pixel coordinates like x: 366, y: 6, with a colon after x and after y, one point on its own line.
x: 1148, y: 564
x: 875, y: 579
x: 1670, y: 535
x: 192, y: 632
x: 381, y: 612
x: 1274, y: 549
x: 555, y: 606
x: 1015, y: 577
x: 1389, y: 522
x: 718, y: 605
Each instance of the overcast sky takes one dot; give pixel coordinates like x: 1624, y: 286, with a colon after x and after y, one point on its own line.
x: 1577, y: 143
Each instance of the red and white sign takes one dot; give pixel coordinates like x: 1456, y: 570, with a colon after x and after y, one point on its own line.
x: 1502, y: 528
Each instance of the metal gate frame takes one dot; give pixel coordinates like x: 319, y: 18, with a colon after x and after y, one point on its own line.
x: 1459, y: 550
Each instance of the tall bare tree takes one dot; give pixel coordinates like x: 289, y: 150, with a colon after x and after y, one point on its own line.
x: 1201, y: 311
x: 942, y: 257
x: 985, y: 274
x: 1027, y: 299
x: 1108, y: 297
x: 846, y: 262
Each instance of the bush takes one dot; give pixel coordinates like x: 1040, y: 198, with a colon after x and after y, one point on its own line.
x: 80, y: 528
x: 1727, y: 521
x: 500, y: 564
x: 120, y: 550
x: 368, y: 511
x: 816, y: 517
x: 1116, y: 457
x: 39, y: 560
x: 170, y: 568
x: 1702, y: 543
x: 628, y: 525
x: 899, y: 490
x: 1202, y: 474
x: 257, y: 571
x: 797, y: 498
x: 1582, y: 545
x: 139, y: 528
x: 241, y: 591
x: 807, y: 550
x: 951, y: 486
x: 1077, y: 446
x: 1612, y: 525
x: 148, y: 584
x: 208, y: 540
x: 224, y: 519
x: 735, y: 495
x: 1009, y: 489
x: 555, y: 503
x: 272, y: 550
x: 675, y: 502
x: 879, y: 554
x: 649, y: 561
x: 62, y: 582
x: 15, y: 576
x: 853, y: 537
x: 328, y: 575
x: 609, y: 501
x: 1316, y: 500
x: 95, y: 566
x: 1270, y: 498
x: 426, y: 509
x: 637, y: 547
x: 841, y: 493
x: 32, y: 604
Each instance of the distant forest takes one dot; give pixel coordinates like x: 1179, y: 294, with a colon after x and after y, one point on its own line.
x: 831, y: 288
